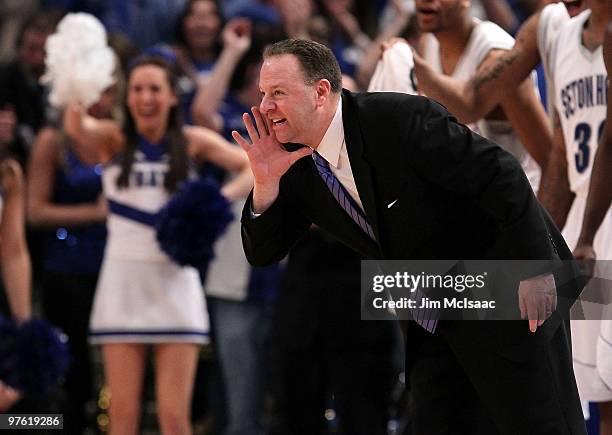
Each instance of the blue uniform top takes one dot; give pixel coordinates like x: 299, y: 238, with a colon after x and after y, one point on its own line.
x: 77, y: 249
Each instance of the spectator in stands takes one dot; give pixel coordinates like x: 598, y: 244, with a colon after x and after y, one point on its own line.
x: 65, y: 197
x: 354, y: 24
x: 12, y: 15
x: 21, y: 92
x: 198, y: 47
x: 145, y: 23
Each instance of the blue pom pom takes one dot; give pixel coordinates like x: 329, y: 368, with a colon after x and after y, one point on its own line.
x: 194, y: 218
x: 8, y: 352
x: 43, y: 357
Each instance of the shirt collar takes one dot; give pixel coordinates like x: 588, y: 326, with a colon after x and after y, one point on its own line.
x: 332, y: 141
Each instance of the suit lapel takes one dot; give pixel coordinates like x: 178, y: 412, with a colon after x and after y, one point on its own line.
x: 361, y: 170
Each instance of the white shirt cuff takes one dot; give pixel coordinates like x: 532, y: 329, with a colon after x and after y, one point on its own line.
x: 253, y: 214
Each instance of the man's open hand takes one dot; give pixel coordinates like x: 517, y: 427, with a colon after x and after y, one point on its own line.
x: 269, y: 160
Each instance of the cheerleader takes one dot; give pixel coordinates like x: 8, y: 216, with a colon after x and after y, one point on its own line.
x: 64, y: 197
x: 143, y: 298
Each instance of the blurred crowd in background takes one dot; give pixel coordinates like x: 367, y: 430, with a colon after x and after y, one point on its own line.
x: 288, y: 352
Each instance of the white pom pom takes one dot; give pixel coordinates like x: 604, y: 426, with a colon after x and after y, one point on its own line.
x: 79, y: 63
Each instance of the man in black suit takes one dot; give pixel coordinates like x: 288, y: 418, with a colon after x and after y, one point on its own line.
x: 418, y: 186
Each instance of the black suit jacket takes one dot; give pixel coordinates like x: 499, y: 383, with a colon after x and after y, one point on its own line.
x: 458, y: 196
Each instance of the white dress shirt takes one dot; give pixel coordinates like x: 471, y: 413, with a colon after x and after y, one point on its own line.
x: 333, y: 149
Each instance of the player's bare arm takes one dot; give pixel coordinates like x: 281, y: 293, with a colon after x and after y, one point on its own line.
x: 525, y: 112
x: 477, y: 97
x: 555, y: 193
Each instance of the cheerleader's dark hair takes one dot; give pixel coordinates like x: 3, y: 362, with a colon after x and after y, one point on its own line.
x: 174, y: 137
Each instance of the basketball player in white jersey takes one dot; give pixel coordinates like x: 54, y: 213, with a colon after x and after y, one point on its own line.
x: 459, y: 45
x: 579, y: 84
x: 578, y: 80
x: 600, y: 191
x: 595, y: 215
x: 496, y: 80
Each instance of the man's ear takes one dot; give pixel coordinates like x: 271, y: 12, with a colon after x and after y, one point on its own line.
x: 323, y: 89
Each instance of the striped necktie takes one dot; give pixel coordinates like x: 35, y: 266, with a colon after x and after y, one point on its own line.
x: 344, y: 199
x: 427, y: 318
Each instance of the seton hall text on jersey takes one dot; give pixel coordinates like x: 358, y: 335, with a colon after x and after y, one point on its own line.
x: 585, y: 92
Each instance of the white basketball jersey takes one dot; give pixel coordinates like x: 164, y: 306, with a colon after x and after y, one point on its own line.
x: 579, y: 80
x: 128, y: 238
x: 486, y: 36
x: 551, y: 18
x: 394, y: 71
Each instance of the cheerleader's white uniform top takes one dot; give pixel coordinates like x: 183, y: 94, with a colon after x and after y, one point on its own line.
x: 142, y: 296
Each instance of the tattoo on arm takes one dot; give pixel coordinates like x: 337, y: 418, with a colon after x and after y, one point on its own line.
x: 494, y: 71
